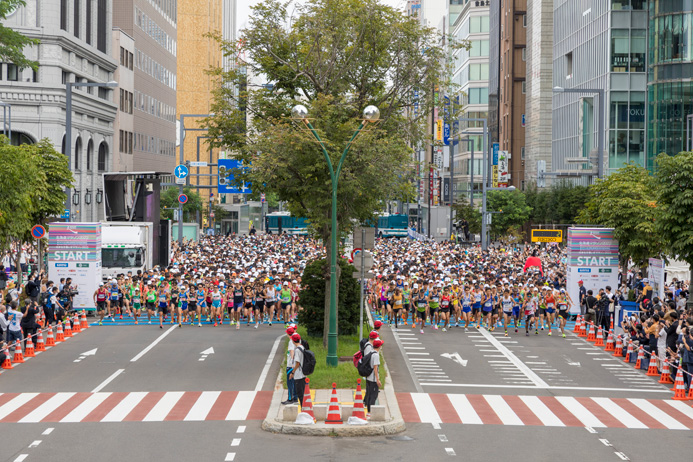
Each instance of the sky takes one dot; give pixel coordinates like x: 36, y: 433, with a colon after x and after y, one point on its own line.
x: 243, y: 9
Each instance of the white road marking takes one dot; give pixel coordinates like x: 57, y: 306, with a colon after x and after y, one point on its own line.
x: 443, y: 438
x: 679, y: 406
x: 425, y: 408
x: 535, y: 362
x: 163, y: 407
x: 464, y: 409
x: 21, y: 457
x: 421, y: 359
x: 538, y: 381
x: 413, y: 348
x: 408, y: 362
x: 559, y: 387
x: 15, y: 403
x: 605, y: 442
x: 580, y: 411
x: 241, y: 429
x: 544, y: 414
x: 590, y: 429
x: 503, y: 410
x: 621, y: 456
x: 48, y: 431
x: 436, y: 425
x: 450, y: 451
x: 417, y: 353
x: 85, y: 408
x: 107, y: 381
x: 236, y: 442
x: 124, y: 407
x: 46, y: 408
x: 268, y: 364
x: 230, y: 456
x: 411, y: 343
x: 34, y: 444
x: 241, y: 406
x: 202, y: 406
x: 153, y: 344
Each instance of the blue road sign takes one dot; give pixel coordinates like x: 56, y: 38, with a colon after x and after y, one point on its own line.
x: 226, y: 183
x: 65, y: 215
x: 182, y: 198
x: 38, y: 231
x: 181, y: 171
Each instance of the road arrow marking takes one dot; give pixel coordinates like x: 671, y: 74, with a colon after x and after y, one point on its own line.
x: 207, y: 352
x: 85, y: 354
x: 455, y: 357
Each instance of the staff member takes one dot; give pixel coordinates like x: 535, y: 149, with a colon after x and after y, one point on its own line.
x: 290, y: 383
x: 373, y: 381
x: 297, y: 373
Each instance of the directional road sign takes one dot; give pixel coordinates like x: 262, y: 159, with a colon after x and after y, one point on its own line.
x: 38, y: 231
x: 181, y: 171
x: 182, y: 198
x: 198, y: 164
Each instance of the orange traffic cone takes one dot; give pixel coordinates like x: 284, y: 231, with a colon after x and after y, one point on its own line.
x: 578, y: 322
x: 583, y: 329
x: 7, y: 364
x: 29, y: 350
x: 610, y: 341
x: 666, y: 374
x: 592, y: 337
x: 333, y: 414
x: 307, y: 405
x: 68, y: 329
x: 75, y: 324
x: 83, y: 321
x: 652, y: 368
x: 18, y: 356
x: 629, y: 352
x: 40, y: 345
x: 641, y: 358
x: 59, y: 335
x: 680, y: 387
x: 358, y: 402
x: 50, y: 340
x: 690, y: 389
x: 618, y: 351
x: 600, y: 337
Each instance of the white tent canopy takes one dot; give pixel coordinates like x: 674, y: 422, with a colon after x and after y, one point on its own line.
x: 677, y: 269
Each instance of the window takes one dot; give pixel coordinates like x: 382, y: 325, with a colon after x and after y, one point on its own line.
x: 522, y: 152
x: 63, y: 14
x: 478, y: 71
x: 569, y: 65
x: 524, y: 54
x: 12, y: 72
x: 524, y: 20
x: 101, y: 20
x: 478, y: 24
x: 87, y: 32
x: 102, y: 157
x: 76, y: 13
x: 478, y: 96
x: 78, y: 152
x: 479, y: 48
x: 34, y: 76
x: 90, y: 154
x: 524, y: 87
x: 620, y: 57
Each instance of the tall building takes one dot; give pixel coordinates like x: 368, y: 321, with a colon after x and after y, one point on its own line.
x: 539, y: 97
x: 228, y: 28
x: 152, y: 24
x: 471, y: 75
x: 75, y: 47
x: 123, y: 51
x: 599, y: 45
x: 670, y: 68
x: 197, y: 54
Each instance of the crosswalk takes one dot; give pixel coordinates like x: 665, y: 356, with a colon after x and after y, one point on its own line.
x: 551, y: 411
x: 134, y: 406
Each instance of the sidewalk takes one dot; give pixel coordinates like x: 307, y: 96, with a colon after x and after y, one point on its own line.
x: 386, y: 417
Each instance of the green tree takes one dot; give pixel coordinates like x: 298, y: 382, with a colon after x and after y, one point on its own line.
x: 12, y: 43
x: 513, y: 212
x: 674, y: 204
x: 464, y: 211
x: 623, y: 201
x: 336, y: 57
x: 559, y: 204
x: 169, y: 201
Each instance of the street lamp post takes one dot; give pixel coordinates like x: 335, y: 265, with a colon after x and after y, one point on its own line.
x: 7, y: 107
x: 370, y: 115
x: 600, y: 136
x: 68, y: 128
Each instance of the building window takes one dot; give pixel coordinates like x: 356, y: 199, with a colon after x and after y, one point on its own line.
x: 569, y: 65
x: 102, y: 157
x: 78, y: 152
x: 101, y: 20
x: 90, y: 154
x: 76, y: 13
x: 524, y: 87
x: 524, y: 20
x: 524, y: 54
x: 522, y: 153
x: 87, y: 33
x: 12, y: 72
x: 34, y: 75
x: 63, y: 14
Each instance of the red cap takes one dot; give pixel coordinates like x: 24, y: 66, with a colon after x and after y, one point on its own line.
x: 580, y: 281
x: 373, y: 334
x: 377, y: 343
x: 290, y: 330
x: 377, y: 324
x: 296, y: 338
x: 646, y: 301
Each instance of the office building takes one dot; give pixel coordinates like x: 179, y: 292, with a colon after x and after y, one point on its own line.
x: 152, y: 24
x: 670, y: 72
x: 123, y: 51
x: 75, y: 46
x: 598, y: 45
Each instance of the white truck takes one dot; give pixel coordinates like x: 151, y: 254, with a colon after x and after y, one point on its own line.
x: 126, y: 247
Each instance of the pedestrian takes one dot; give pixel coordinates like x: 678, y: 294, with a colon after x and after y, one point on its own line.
x: 590, y: 306
x: 29, y: 324
x: 290, y: 382
x: 3, y: 324
x: 297, y: 373
x: 687, y: 347
x: 373, y: 380
x: 14, y: 329
x: 582, y: 296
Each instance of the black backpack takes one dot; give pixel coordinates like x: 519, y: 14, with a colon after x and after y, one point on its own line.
x: 305, y: 345
x: 308, y: 363
x: 365, y: 369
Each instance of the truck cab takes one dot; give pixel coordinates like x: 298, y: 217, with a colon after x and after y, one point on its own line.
x: 125, y: 247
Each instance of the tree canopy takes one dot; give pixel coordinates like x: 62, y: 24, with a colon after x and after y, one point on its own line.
x: 12, y: 43
x: 512, y: 211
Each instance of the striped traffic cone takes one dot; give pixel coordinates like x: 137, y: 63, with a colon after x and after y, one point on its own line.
x: 7, y: 363
x: 690, y: 389
x: 358, y: 402
x: 592, y: 337
x: 29, y: 349
x: 75, y: 324
x: 68, y: 329
x: 641, y: 358
x: 578, y: 323
x: 680, y: 387
x: 666, y: 374
x: 610, y: 341
x: 83, y: 321
x: 652, y: 369
x: 307, y: 405
x: 18, y: 356
x: 59, y: 335
x: 333, y: 415
x: 600, y: 337
x: 618, y: 351
x: 50, y: 339
x: 40, y: 345
x: 583, y: 329
x: 629, y: 352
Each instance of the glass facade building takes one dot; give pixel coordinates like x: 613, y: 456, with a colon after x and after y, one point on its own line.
x: 670, y: 76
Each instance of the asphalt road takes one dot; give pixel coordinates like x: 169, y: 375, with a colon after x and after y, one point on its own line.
x: 150, y: 394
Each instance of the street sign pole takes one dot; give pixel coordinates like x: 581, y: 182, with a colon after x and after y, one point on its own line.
x: 181, y: 159
x: 363, y: 264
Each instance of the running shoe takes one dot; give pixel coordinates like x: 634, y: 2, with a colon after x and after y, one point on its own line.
x: 160, y: 326
x: 215, y: 324
x: 135, y: 321
x: 563, y: 335
x: 435, y: 327
x: 549, y: 333
x: 422, y: 331
x: 516, y: 330
x: 180, y: 325
x: 270, y: 324
x: 542, y: 327
x: 199, y: 324
x: 256, y: 324
x: 100, y: 323
x: 527, y: 334
x: 149, y: 322
x: 413, y: 326
x: 444, y: 329
x: 466, y: 330
x: 536, y: 332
